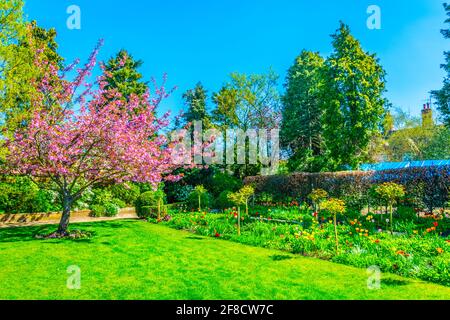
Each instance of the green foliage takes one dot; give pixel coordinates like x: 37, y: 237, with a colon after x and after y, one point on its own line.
x: 195, y: 101
x: 124, y: 75
x: 390, y: 192
x: 334, y: 206
x: 242, y: 196
x: 18, y: 71
x: 149, y: 199
x: 302, y: 128
x: 128, y: 192
x: 21, y: 195
x: 97, y: 210
x: 111, y: 209
x: 353, y: 97
x: 192, y: 201
x: 443, y: 95
x: 247, y: 102
x: 222, y: 201
x: 221, y: 181
x: 318, y: 195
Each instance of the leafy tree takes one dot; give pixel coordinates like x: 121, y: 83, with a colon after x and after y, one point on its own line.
x: 302, y: 129
x: 248, y: 102
x: 439, y: 145
x: 69, y: 152
x: 20, y: 73
x: 443, y: 95
x: 124, y: 76
x: 354, y: 105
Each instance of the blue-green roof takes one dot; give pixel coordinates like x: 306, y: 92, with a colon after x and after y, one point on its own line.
x: 406, y: 164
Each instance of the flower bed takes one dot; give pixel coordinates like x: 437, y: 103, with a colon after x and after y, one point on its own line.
x: 414, y: 250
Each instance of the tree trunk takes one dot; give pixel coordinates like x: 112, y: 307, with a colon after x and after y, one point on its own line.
x: 390, y: 214
x: 239, y: 221
x: 64, y: 222
x: 199, y: 203
x: 336, y: 235
x: 159, y: 210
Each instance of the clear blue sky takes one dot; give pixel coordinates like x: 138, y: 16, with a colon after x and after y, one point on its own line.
x: 207, y: 40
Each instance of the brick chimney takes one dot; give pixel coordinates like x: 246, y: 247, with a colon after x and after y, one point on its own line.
x: 427, y: 116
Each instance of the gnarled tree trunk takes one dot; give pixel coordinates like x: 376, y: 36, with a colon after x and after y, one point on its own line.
x: 67, y: 202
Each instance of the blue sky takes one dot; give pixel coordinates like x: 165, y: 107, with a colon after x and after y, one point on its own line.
x: 207, y: 40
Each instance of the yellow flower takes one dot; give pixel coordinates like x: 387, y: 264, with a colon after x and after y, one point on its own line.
x: 440, y: 250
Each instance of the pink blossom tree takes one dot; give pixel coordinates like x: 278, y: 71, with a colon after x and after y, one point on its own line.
x: 75, y: 140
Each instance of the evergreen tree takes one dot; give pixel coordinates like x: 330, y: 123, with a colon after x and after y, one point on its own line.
x: 354, y: 103
x: 301, y: 129
x: 442, y: 96
x: 195, y: 101
x: 124, y: 75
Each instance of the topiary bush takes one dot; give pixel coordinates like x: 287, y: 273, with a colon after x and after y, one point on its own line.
x: 149, y: 199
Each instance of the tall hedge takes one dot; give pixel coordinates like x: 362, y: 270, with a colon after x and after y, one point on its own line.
x: 431, y: 185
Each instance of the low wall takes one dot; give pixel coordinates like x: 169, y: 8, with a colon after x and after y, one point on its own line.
x: 26, y: 218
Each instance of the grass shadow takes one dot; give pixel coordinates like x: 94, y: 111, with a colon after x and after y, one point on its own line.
x: 394, y: 282
x: 195, y: 238
x: 19, y: 234
x: 280, y: 257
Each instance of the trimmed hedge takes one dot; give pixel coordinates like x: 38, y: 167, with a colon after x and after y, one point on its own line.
x: 429, y: 186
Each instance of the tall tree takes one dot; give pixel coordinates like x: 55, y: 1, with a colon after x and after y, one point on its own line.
x: 123, y: 75
x: 442, y: 96
x: 353, y: 97
x: 20, y: 73
x: 301, y: 129
x: 249, y: 102
x: 195, y: 101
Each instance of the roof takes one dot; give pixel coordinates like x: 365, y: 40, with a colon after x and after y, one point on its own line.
x: 406, y: 164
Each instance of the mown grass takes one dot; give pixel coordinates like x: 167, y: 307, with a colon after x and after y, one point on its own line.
x: 139, y: 260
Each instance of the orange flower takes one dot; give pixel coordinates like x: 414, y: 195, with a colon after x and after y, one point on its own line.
x: 402, y: 253
x: 440, y: 250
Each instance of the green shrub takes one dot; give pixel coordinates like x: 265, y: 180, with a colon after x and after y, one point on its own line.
x: 221, y: 181
x: 101, y: 196
x: 149, y: 199
x: 119, y: 203
x: 192, y: 200
x: 128, y: 193
x: 21, y: 195
x: 97, y: 210
x: 111, y: 209
x: 222, y: 201
x: 307, y: 221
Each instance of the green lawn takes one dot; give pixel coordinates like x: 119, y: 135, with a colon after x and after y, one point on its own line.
x: 138, y: 260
